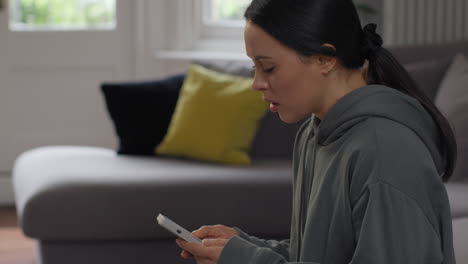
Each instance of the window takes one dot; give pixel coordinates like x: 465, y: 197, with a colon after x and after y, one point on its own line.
x: 62, y: 14
x: 221, y: 24
x: 210, y: 26
x: 224, y: 12
x: 202, y: 27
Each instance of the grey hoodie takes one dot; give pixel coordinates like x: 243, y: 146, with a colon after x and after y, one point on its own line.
x: 366, y: 188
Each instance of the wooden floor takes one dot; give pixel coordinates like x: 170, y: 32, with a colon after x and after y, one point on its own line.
x: 15, y: 248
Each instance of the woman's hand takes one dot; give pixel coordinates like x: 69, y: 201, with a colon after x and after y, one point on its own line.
x: 212, y: 232
x: 207, y: 253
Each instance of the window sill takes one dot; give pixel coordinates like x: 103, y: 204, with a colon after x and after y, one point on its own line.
x: 201, y: 55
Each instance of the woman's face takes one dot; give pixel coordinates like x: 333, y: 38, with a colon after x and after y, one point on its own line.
x: 293, y: 87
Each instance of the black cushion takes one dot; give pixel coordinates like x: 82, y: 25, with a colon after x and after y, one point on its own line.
x: 141, y: 112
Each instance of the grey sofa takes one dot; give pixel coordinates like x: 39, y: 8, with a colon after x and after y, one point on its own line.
x: 90, y: 205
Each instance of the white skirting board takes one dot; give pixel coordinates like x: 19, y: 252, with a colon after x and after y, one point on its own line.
x: 6, y: 191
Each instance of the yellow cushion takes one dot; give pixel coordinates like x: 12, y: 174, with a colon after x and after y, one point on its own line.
x: 215, y: 119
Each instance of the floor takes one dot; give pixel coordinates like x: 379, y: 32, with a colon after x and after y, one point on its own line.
x: 15, y: 248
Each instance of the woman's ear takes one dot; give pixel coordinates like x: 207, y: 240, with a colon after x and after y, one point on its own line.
x: 326, y: 63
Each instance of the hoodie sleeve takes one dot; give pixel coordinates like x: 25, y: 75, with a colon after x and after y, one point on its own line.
x: 252, y: 250
x: 390, y: 227
x: 280, y: 247
x: 238, y: 250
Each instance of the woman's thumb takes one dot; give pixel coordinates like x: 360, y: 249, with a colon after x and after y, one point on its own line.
x: 201, y: 233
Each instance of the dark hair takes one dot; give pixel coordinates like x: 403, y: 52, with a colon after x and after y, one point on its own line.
x: 305, y: 25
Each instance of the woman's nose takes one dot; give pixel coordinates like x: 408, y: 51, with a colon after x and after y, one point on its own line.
x: 259, y: 84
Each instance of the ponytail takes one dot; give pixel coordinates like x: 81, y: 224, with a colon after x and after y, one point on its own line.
x: 384, y: 69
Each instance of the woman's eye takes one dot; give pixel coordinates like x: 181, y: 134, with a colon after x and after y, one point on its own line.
x: 268, y: 70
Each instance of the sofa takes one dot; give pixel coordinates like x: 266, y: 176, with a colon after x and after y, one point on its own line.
x: 85, y: 204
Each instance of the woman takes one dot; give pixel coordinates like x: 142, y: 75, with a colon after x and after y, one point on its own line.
x: 370, y: 161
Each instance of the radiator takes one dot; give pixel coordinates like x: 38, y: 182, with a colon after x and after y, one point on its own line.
x: 424, y: 21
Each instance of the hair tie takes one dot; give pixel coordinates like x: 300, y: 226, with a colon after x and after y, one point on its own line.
x: 372, y: 41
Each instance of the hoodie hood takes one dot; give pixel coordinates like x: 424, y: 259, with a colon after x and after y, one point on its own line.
x: 384, y: 102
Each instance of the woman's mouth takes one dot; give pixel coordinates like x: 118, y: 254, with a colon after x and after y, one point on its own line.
x: 274, y: 107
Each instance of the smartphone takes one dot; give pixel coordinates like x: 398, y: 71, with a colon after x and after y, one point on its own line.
x: 177, y: 230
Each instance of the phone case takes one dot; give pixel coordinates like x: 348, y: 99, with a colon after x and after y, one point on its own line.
x: 177, y: 230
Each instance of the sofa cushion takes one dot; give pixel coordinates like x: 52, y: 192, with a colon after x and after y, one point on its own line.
x: 458, y: 197
x: 417, y: 58
x: 239, y: 68
x: 86, y: 193
x: 216, y: 118
x: 141, y: 112
x: 284, y: 133
x: 428, y: 74
x: 452, y: 100
x: 460, y: 240
x: 414, y: 53
x: 458, y: 119
x: 283, y: 138
x: 453, y: 86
